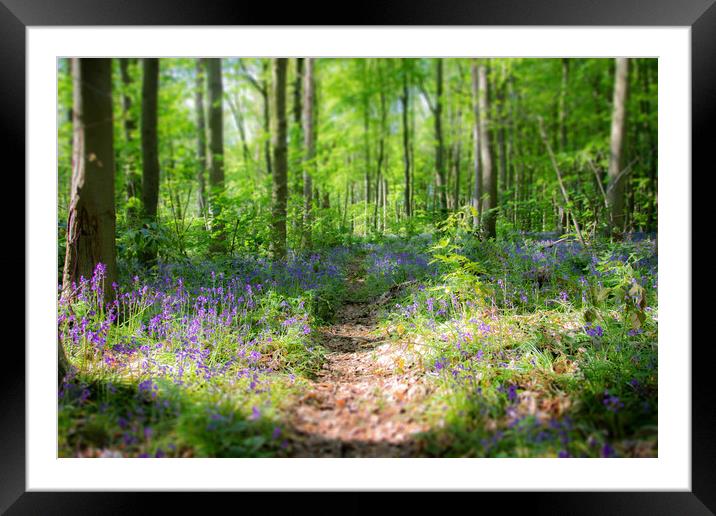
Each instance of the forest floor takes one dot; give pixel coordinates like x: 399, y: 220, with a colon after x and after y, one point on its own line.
x: 365, y: 401
x: 401, y: 348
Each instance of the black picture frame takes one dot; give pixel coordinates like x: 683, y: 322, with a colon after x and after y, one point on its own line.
x: 17, y: 15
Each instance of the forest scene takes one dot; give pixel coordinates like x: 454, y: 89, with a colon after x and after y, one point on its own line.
x: 364, y: 257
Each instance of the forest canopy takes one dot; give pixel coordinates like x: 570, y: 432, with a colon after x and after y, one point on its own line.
x: 393, y: 148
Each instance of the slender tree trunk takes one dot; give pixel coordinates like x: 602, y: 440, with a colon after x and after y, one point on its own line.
x: 91, y: 216
x: 309, y: 149
x: 488, y: 176
x: 470, y: 160
x: 477, y: 192
x: 200, y: 135
x: 563, y: 105
x: 366, y: 143
x: 501, y: 139
x: 381, y: 155
x: 267, y: 120
x: 278, y: 214
x: 440, y: 179
x: 150, y: 152
x: 651, y: 147
x: 385, y: 205
x: 456, y: 159
x: 298, y: 93
x: 411, y: 117
x: 132, y: 177
x: 405, y: 106
x: 296, y: 142
x: 615, y: 190
x: 216, y: 150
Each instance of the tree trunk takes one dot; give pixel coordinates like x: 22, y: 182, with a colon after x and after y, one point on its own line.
x: 309, y: 149
x: 216, y: 150
x: 278, y: 214
x: 440, y: 180
x: 501, y: 139
x: 150, y: 153
x: 132, y: 177
x: 477, y: 191
x: 488, y: 176
x: 615, y: 190
x: 267, y: 120
x: 456, y: 159
x: 651, y: 148
x: 297, y: 92
x: 200, y: 135
x: 91, y: 217
x: 381, y: 155
x: 385, y: 204
x: 563, y: 105
x: 366, y: 143
x: 296, y: 142
x: 405, y: 105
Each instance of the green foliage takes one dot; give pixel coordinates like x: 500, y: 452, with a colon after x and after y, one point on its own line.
x: 535, y: 345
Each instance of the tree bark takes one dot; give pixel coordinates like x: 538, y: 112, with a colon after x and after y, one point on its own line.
x: 457, y: 158
x: 295, y: 133
x: 278, y: 248
x: 91, y: 216
x: 150, y: 153
x: 267, y: 118
x: 440, y: 180
x: 563, y: 105
x: 477, y: 191
x: 366, y: 144
x: 309, y: 149
x: 381, y: 154
x: 129, y: 125
x: 405, y: 106
x: 615, y: 190
x: 488, y: 176
x: 297, y: 92
x: 216, y: 149
x: 200, y: 134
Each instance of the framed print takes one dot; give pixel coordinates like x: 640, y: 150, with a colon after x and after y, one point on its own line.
x: 432, y: 250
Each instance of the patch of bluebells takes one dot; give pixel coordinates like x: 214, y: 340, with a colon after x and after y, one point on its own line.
x: 593, y: 330
x: 191, y: 324
x: 611, y: 402
x: 396, y: 261
x: 207, y: 326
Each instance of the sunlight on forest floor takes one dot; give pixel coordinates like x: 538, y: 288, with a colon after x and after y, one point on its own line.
x: 408, y: 347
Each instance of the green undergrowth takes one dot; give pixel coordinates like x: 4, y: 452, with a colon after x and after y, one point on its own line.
x: 535, y: 349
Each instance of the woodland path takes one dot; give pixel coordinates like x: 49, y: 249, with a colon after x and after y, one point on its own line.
x: 366, y: 400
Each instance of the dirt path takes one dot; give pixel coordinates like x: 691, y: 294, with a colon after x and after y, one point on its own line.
x: 366, y: 399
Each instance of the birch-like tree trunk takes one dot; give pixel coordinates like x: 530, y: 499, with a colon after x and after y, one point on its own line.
x: 405, y: 107
x: 477, y: 189
x: 309, y: 150
x: 615, y: 190
x: 489, y: 179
